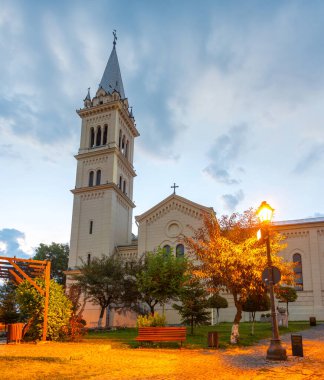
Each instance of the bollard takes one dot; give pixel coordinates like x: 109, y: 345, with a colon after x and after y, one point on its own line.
x: 312, y: 321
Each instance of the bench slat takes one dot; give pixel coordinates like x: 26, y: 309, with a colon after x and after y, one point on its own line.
x: 158, y: 334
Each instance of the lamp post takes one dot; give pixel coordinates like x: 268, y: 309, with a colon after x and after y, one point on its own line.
x: 275, y: 350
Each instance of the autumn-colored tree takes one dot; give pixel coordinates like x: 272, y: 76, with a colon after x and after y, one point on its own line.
x: 230, y: 258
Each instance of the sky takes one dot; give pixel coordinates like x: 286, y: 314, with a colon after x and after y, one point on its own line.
x: 227, y: 96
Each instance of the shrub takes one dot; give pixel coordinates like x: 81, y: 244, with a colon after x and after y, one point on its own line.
x: 151, y: 320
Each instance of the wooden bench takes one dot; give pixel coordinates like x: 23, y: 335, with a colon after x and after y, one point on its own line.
x: 162, y: 334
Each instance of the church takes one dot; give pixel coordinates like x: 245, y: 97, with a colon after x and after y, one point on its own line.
x: 103, y: 208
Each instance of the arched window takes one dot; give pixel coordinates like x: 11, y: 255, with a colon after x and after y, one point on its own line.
x: 120, y: 139
x: 98, y: 140
x: 123, y: 145
x: 126, y: 149
x: 105, y: 134
x: 180, y: 251
x: 298, y: 271
x: 124, y: 187
x: 120, y: 182
x: 91, y: 175
x: 98, y: 177
x: 92, y: 137
x: 167, y: 249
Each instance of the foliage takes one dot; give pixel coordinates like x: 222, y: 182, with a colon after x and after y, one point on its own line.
x: 194, y: 304
x: 103, y: 282
x: 160, y: 278
x: 217, y: 302
x: 286, y: 294
x: 150, y: 320
x: 254, y: 303
x: 32, y: 303
x: 58, y: 255
x: 231, y: 259
x: 8, y: 303
x: 76, y: 326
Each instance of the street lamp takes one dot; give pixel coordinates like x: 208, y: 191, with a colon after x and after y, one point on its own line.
x: 275, y: 350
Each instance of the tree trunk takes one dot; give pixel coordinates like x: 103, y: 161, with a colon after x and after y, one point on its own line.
x: 102, y: 312
x: 192, y: 325
x: 152, y: 309
x: 107, y: 316
x: 217, y: 320
x: 253, y: 320
x: 235, y: 335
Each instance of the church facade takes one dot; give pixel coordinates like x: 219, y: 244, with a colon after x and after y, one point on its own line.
x: 103, y: 207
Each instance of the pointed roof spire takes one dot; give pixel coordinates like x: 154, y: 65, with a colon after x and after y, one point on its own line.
x: 88, y: 97
x: 111, y: 80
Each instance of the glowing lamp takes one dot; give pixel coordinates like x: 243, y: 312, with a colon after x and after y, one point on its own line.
x: 265, y: 212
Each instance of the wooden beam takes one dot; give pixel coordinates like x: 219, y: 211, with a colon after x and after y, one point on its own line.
x: 32, y: 282
x: 18, y: 279
x: 47, y: 290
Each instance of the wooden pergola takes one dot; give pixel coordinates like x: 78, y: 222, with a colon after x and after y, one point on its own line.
x: 19, y: 270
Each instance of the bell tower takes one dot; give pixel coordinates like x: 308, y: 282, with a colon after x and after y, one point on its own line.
x: 103, y: 193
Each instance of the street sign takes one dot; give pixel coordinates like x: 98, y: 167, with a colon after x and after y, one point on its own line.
x: 276, y: 275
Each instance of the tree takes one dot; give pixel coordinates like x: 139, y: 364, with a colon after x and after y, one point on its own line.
x: 8, y: 303
x: 217, y: 302
x: 160, y: 278
x: 254, y: 303
x: 231, y: 259
x: 194, y: 304
x: 58, y: 255
x: 103, y: 283
x: 286, y: 294
x: 31, y: 304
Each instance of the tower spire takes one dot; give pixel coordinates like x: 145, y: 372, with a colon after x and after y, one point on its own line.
x: 111, y: 80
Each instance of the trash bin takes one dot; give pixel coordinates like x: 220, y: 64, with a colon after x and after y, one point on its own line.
x: 297, y: 345
x: 312, y: 321
x: 213, y: 339
x: 15, y: 331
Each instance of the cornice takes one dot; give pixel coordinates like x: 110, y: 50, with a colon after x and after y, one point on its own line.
x: 101, y: 189
x: 110, y: 106
x: 295, y: 234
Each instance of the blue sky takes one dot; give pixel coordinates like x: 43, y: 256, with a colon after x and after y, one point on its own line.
x: 227, y: 95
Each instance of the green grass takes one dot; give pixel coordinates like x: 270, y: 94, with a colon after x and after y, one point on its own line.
x: 126, y: 337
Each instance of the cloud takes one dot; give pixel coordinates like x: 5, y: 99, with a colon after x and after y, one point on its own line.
x: 13, y: 243
x: 232, y: 200
x: 224, y: 153
x: 314, y: 155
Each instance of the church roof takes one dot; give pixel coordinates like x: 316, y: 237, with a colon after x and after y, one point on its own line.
x: 111, y: 80
x: 173, y: 197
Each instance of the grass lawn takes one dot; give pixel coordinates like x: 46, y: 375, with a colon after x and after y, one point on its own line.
x: 126, y: 337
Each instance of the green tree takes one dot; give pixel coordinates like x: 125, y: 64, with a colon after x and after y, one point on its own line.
x: 194, y: 304
x: 8, y: 303
x: 103, y: 283
x: 160, y: 278
x: 31, y: 304
x: 217, y: 302
x: 231, y: 259
x: 254, y: 303
x: 58, y: 255
x: 286, y: 294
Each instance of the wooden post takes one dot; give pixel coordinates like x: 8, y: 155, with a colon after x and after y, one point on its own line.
x: 47, y: 288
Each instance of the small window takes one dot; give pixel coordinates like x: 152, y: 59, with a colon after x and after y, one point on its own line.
x: 98, y: 140
x: 120, y: 139
x: 88, y: 258
x: 298, y: 272
x: 91, y: 175
x: 126, y: 149
x: 105, y: 134
x: 180, y: 251
x: 91, y: 227
x: 167, y: 249
x: 92, y: 137
x: 98, y: 177
x: 120, y: 182
x: 124, y: 187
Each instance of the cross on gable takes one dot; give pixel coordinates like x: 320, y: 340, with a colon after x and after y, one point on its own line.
x: 174, y: 188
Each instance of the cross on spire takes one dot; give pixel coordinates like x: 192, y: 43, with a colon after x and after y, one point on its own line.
x: 115, y: 37
x: 174, y: 187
